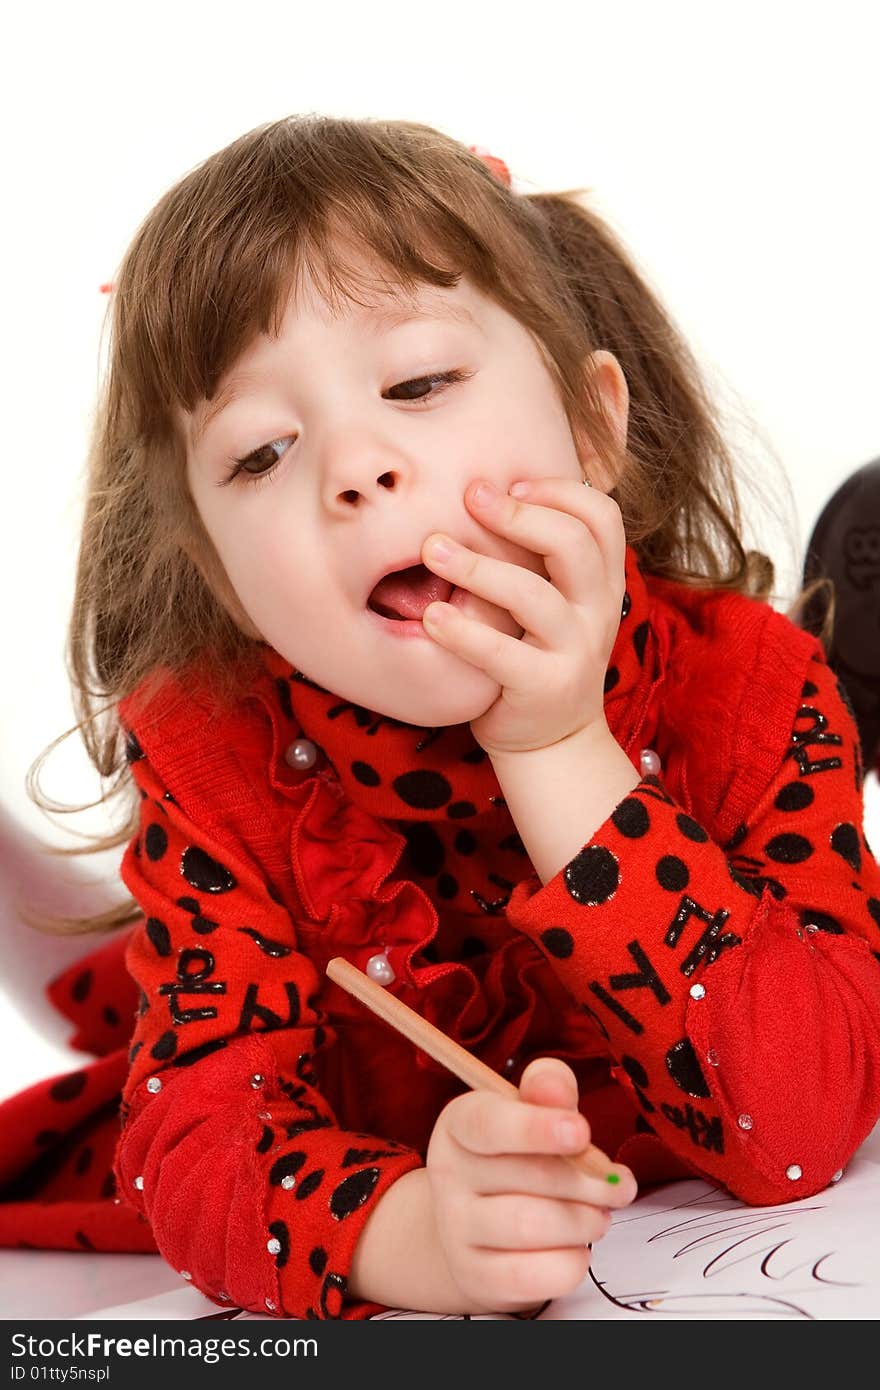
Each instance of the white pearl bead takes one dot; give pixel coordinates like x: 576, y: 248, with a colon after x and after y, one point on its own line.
x: 697, y: 991
x: 650, y: 763
x: 154, y: 1085
x: 510, y: 1064
x: 139, y: 1183
x: 302, y: 754
x: 794, y: 1171
x: 835, y: 1177
x: 379, y: 969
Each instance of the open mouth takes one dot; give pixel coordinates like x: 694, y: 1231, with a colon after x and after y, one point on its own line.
x: 403, y: 595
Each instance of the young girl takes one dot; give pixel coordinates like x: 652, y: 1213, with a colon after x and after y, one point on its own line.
x: 569, y: 787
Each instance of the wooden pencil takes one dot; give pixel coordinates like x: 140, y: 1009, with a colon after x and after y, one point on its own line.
x: 445, y: 1050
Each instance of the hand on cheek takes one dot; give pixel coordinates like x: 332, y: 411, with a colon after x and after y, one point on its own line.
x: 551, y: 677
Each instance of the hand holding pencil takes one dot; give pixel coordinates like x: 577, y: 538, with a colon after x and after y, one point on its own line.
x: 517, y: 1203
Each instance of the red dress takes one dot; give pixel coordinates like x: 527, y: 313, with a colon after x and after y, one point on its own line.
x: 707, y: 963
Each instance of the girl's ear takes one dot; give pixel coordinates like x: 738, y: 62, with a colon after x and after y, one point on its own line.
x: 607, y: 376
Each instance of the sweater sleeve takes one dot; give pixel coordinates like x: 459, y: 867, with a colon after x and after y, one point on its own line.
x: 253, y: 1191
x: 737, y: 985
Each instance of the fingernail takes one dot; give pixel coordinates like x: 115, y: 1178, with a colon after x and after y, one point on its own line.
x: 484, y: 493
x: 519, y: 490
x: 440, y: 548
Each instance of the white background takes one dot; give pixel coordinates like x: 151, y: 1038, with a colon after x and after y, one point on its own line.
x: 732, y: 146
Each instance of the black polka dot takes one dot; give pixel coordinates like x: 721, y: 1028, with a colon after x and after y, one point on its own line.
x: 640, y: 637
x: 143, y: 1003
x: 809, y: 689
x: 625, y: 606
x: 756, y: 884
x: 795, y: 797
x: 46, y: 1137
x: 672, y: 873
x: 631, y: 818
x: 165, y: 1047
x: 133, y: 750
x: 203, y: 925
x: 205, y: 873
x: 278, y: 1231
x: 558, y: 942
x: 366, y: 774
x: 82, y: 1240
x: 317, y: 1260
x: 188, y: 904
x: 81, y: 986
x: 612, y: 676
x: 133, y: 1051
x: 788, y: 849
x: 310, y: 1183
x: 845, y: 842
x: 465, y: 842
x: 155, y: 842
x: 265, y: 1141
x: 425, y: 848
x: 823, y: 920
x: 110, y: 1016
x: 159, y: 936
x: 683, y: 1067
x: 108, y: 1186
x: 691, y: 829
x: 593, y: 876
x: 68, y: 1087
x: 447, y: 887
x: 874, y: 909
x: 83, y: 1161
x: 424, y: 790
x: 286, y: 1167
x: 461, y: 810
x: 737, y: 837
x: 352, y: 1192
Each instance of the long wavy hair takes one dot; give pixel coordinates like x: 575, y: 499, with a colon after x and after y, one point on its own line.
x: 212, y: 266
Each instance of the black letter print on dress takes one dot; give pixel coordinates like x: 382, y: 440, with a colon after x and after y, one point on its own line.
x: 192, y: 982
x: 816, y: 733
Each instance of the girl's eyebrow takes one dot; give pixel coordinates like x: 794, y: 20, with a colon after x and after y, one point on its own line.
x: 379, y: 320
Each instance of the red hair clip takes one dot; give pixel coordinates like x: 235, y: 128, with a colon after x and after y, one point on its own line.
x: 495, y: 165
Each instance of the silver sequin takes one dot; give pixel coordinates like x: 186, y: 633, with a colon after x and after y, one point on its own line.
x: 154, y: 1085
x: 712, y: 1057
x: 139, y: 1183
x: 185, y: 1274
x: 835, y: 1177
x: 794, y: 1171
x: 273, y: 1307
x: 697, y: 991
x: 744, y: 1121
x: 257, y: 1080
x: 288, y: 1182
x: 273, y: 1246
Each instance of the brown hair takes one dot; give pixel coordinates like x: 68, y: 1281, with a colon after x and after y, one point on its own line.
x: 212, y: 265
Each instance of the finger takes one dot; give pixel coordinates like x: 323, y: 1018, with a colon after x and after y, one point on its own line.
x: 508, y: 660
x: 485, y: 1123
x: 549, y: 1081
x: 598, y: 512
x: 513, y: 1222
x: 535, y: 603
x: 545, y: 1175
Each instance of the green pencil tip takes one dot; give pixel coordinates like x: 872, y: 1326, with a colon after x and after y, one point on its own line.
x: 612, y: 1177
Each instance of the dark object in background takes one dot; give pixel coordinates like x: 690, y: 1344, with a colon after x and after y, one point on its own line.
x: 845, y: 546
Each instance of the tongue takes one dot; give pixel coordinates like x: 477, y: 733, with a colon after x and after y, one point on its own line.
x: 407, y: 593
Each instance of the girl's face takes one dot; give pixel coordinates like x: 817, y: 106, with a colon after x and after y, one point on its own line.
x: 361, y: 459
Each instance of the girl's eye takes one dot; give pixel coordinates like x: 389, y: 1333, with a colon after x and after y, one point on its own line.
x: 265, y: 450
